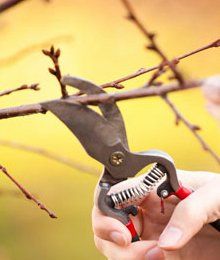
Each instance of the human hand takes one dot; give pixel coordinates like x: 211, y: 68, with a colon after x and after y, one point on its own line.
x: 178, y: 234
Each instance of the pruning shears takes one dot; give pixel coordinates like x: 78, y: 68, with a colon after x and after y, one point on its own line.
x: 103, y: 136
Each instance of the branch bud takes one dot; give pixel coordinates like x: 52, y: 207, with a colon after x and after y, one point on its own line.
x: 52, y: 50
x: 46, y: 52
x: 34, y: 86
x: 150, y: 47
x: 57, y: 53
x: 130, y: 17
x: 196, y: 127
x: 175, y: 61
x: 118, y: 86
x: 151, y: 35
x: 52, y: 71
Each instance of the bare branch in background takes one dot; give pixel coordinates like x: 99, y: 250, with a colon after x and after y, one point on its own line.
x: 27, y: 193
x: 177, y: 75
x: 54, y: 56
x: 50, y: 155
x: 23, y: 87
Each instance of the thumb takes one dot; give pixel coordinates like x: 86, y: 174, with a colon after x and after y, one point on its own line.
x: 109, y: 229
x: 188, y: 218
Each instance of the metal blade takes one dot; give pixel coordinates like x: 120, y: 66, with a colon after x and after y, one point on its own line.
x: 110, y: 110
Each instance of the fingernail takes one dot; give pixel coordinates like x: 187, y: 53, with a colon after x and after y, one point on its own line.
x: 170, y: 237
x: 154, y: 254
x: 118, y: 238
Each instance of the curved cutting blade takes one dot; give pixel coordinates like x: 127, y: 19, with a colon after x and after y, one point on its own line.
x: 98, y: 134
x: 109, y: 110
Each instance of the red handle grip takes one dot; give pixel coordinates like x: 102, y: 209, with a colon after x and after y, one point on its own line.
x: 133, y: 231
x: 182, y: 192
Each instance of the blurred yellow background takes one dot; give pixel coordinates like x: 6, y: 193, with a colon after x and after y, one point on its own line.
x: 97, y: 43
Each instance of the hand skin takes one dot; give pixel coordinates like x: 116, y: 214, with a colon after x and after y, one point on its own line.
x: 180, y: 233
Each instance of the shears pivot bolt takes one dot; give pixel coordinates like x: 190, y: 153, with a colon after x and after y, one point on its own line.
x: 117, y: 158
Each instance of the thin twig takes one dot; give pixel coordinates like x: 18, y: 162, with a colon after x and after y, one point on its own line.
x: 23, y: 87
x: 27, y: 193
x: 54, y: 55
x: 146, y: 70
x: 151, y: 82
x: 51, y: 155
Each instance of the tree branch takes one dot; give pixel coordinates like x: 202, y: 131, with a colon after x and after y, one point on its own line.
x: 100, y: 98
x: 21, y: 111
x: 27, y: 193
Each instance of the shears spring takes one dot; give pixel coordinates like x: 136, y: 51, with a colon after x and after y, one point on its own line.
x: 139, y: 191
